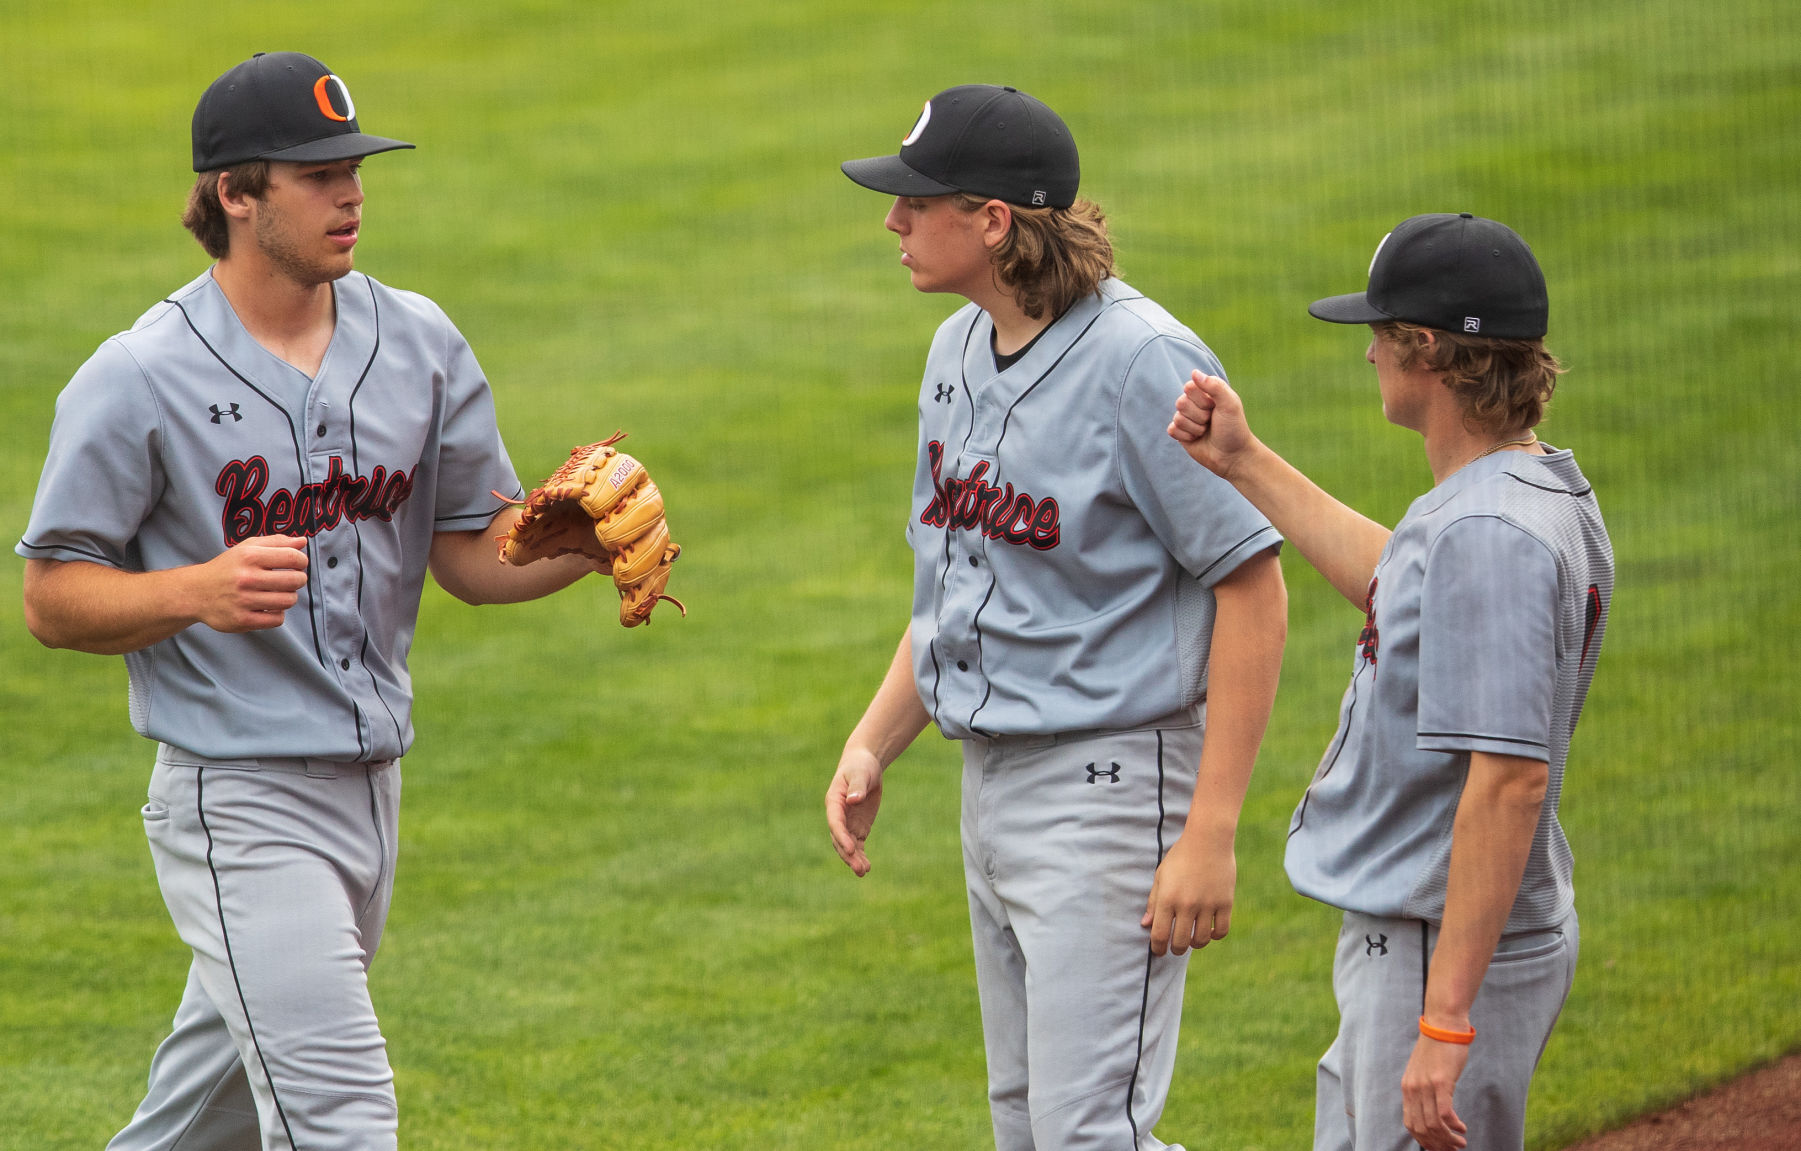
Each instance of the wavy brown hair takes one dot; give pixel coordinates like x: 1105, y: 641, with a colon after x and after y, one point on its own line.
x: 1051, y: 257
x: 205, y: 217
x: 1503, y: 385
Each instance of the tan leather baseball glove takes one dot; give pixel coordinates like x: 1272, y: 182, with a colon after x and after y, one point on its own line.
x: 601, y: 503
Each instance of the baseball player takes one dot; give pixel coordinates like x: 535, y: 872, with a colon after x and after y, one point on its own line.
x: 243, y: 494
x: 1432, y: 820
x: 1087, y: 605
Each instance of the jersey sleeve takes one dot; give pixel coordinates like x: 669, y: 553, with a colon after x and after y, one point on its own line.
x: 102, y: 472
x: 1488, y: 641
x: 1201, y: 519
x: 472, y: 460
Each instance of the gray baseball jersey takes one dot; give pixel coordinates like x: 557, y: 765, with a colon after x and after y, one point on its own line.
x: 184, y: 436
x: 1065, y: 548
x: 1485, y: 618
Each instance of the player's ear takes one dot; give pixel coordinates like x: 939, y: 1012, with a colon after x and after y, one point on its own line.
x: 997, y: 221
x: 235, y: 204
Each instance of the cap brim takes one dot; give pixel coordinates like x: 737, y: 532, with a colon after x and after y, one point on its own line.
x: 1351, y: 308
x: 888, y: 174
x: 345, y: 146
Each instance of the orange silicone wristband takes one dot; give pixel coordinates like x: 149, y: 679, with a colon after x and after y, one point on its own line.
x: 1461, y: 1037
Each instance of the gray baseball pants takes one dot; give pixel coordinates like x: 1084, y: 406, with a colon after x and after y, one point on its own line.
x: 1379, y: 977
x: 278, y: 874
x: 1061, y: 839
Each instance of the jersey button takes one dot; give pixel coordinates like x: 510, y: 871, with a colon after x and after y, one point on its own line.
x: 321, y: 429
x: 345, y: 664
x: 962, y: 665
x: 332, y: 562
x: 974, y: 562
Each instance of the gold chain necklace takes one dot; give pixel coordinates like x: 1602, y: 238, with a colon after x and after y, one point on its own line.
x: 1531, y: 438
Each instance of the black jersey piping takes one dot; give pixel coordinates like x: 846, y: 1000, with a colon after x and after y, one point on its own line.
x: 357, y: 534
x: 1233, y: 550
x: 293, y: 435
x: 945, y: 567
x: 99, y: 558
x: 1006, y: 420
x: 1556, y: 491
x: 1472, y: 735
x: 1300, y: 815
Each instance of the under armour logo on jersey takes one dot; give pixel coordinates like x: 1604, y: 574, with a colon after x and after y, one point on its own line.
x: 944, y: 394
x: 1375, y: 944
x: 219, y: 414
x: 1111, y: 772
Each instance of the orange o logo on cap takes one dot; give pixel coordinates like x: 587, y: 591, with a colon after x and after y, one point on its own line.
x: 322, y: 95
x: 925, y: 118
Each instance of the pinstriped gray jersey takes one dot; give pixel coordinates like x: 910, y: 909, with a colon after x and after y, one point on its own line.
x: 184, y: 436
x: 1485, y: 618
x: 1065, y: 547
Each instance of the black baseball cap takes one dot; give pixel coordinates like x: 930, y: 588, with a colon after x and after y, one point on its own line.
x: 984, y: 139
x: 279, y: 106
x: 1454, y: 272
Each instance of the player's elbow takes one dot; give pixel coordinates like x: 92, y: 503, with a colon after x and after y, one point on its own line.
x: 458, y: 561
x: 42, y: 620
x: 452, y: 581
x: 1509, y: 782
x: 1528, y: 788
x: 41, y: 629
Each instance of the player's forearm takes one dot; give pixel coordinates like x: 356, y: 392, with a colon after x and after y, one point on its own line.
x: 895, y: 717
x: 466, y: 565
x: 1341, y: 543
x: 1244, y: 664
x: 1491, y: 838
x: 92, y: 608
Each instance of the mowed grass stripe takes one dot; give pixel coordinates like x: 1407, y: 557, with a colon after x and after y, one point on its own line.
x: 619, y: 923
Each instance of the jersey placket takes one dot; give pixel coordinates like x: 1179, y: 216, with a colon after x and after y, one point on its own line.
x: 333, y: 562
x: 968, y: 574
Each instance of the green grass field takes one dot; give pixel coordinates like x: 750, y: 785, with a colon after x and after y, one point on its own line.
x: 619, y: 922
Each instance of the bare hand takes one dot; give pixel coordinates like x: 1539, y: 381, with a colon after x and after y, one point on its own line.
x: 851, y: 803
x: 1191, y: 896
x: 250, y: 586
x: 1210, y: 423
x: 1426, y: 1088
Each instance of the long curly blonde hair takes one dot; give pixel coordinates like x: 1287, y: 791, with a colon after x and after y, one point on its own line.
x: 1503, y: 385
x: 1051, y: 257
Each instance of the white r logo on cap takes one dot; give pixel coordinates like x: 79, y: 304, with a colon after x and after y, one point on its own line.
x: 1472, y: 323
x: 925, y: 118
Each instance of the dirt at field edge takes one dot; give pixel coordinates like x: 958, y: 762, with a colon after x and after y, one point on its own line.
x: 1760, y: 1111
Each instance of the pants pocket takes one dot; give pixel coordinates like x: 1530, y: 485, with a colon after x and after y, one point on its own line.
x: 1527, y: 946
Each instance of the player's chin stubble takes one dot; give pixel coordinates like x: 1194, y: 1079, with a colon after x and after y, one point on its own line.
x: 278, y: 245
